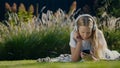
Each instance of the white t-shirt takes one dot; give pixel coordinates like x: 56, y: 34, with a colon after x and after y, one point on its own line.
x: 86, y: 45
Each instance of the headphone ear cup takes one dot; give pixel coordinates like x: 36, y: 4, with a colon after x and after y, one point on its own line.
x: 94, y: 27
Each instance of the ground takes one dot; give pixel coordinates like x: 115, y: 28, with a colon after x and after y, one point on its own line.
x: 34, y: 64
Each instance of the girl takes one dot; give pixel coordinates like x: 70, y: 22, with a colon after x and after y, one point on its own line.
x: 87, y: 40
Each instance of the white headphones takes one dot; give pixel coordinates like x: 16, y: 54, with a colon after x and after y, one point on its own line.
x: 94, y: 22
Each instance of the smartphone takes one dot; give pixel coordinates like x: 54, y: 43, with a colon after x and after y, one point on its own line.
x: 86, y: 51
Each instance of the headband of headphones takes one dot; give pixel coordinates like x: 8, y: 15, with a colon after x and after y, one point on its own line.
x: 83, y: 15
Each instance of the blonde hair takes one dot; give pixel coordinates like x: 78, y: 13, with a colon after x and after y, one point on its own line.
x: 88, y: 20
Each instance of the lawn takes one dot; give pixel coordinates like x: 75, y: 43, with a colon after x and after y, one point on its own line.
x: 34, y: 64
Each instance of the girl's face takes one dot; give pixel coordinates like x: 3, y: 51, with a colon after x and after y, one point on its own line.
x: 85, y: 32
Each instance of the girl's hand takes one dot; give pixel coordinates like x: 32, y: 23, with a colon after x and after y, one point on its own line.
x: 88, y: 57
x: 77, y: 37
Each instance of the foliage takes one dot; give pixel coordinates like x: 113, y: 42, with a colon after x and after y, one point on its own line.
x: 48, y: 36
x: 114, y: 8
x: 24, y: 45
x: 110, y: 6
x: 24, y: 15
x: 113, y: 39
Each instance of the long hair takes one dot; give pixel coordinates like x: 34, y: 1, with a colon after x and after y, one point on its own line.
x: 87, y: 20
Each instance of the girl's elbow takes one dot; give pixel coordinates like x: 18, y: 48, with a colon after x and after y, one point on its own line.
x: 74, y: 60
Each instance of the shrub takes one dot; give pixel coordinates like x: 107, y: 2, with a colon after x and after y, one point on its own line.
x: 48, y: 36
x: 113, y: 39
x: 24, y: 45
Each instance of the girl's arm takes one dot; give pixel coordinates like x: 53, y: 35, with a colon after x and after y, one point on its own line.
x: 75, y: 51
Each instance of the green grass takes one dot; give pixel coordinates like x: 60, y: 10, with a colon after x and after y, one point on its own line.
x: 34, y: 64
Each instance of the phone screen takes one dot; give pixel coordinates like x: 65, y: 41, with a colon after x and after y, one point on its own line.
x: 86, y: 51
